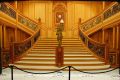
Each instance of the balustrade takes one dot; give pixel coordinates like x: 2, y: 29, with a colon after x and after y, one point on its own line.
x: 22, y: 47
x: 111, y: 11
x: 7, y: 10
x: 17, y: 49
x: 99, y: 49
x: 13, y: 13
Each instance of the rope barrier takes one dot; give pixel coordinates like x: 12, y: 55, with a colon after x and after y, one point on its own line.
x: 40, y: 73
x: 65, y: 68
x: 5, y: 67
x: 94, y: 72
x: 11, y: 66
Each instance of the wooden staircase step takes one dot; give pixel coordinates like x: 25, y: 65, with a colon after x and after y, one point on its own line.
x: 53, y: 68
x: 64, y: 43
x: 42, y: 56
x: 82, y: 58
x: 37, y: 58
x: 76, y: 52
x: 65, y: 47
x: 97, y: 62
x: 67, y: 54
x: 65, y: 59
x: 32, y: 64
x: 78, y: 56
x: 53, y: 62
x: 57, y: 45
x: 53, y: 59
x: 43, y: 60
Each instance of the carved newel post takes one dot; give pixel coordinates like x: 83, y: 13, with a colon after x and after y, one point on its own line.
x: 59, y: 48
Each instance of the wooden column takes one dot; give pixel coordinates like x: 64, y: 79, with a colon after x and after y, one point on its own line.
x: 4, y: 36
x: 103, y: 36
x: 79, y: 23
x: 103, y: 3
x: 113, y: 37
x: 16, y: 35
x: 16, y: 4
x: 117, y: 41
x: 0, y: 49
x: 0, y: 35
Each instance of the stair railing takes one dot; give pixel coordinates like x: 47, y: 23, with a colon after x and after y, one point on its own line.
x: 107, y: 13
x: 17, y: 49
x: 18, y: 17
x: 99, y: 49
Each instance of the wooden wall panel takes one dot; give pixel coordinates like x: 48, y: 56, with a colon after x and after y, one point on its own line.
x: 75, y: 10
x: 1, y: 36
x: 20, y: 6
x: 26, y: 8
x: 97, y: 36
x: 107, y: 4
x: 21, y: 35
x: 10, y: 36
x: 31, y: 10
x: 40, y: 11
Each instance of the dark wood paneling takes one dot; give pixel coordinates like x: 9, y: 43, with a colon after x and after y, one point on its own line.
x: 97, y: 36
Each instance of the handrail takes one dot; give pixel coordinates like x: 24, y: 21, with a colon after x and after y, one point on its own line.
x: 18, y: 48
x: 98, y: 13
x: 27, y: 22
x: 110, y: 11
x: 27, y: 38
x: 8, y: 10
x: 18, y: 16
x: 20, y: 12
x: 100, y: 49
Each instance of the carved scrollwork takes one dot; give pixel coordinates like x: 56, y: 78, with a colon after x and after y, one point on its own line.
x: 7, y: 10
x: 20, y: 48
x: 112, y: 10
x: 99, y: 50
x: 27, y: 22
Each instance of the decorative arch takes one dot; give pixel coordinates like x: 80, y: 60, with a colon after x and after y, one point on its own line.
x: 59, y: 12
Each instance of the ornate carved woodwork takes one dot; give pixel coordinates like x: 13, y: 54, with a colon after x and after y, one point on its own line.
x: 99, y: 49
x: 111, y: 11
x: 59, y: 13
x: 7, y: 10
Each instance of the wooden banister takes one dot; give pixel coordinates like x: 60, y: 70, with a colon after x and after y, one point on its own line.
x: 16, y: 10
x: 18, y: 16
x: 18, y: 48
x: 99, y: 49
x: 92, y: 22
x: 99, y: 13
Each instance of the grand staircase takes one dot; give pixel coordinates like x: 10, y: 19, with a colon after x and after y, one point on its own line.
x: 42, y: 56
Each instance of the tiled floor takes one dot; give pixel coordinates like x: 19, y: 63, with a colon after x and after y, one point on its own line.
x: 63, y: 75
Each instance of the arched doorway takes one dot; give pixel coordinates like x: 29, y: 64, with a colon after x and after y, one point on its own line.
x: 59, y: 13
